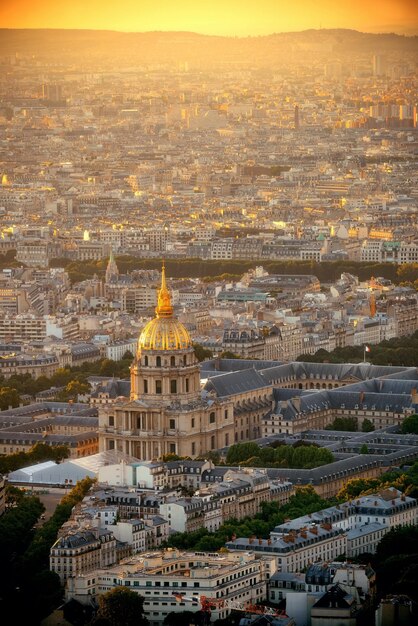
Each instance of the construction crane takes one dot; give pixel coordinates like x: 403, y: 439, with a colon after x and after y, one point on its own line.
x: 210, y: 604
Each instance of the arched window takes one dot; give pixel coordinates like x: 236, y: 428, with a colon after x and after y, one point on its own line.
x: 172, y: 361
x: 185, y: 360
x: 145, y: 360
x: 158, y: 361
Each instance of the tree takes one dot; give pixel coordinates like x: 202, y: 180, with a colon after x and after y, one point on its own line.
x: 107, y: 367
x: 343, y: 423
x: 227, y: 354
x: 367, y: 426
x: 202, y: 353
x: 364, y: 449
x: 73, y: 389
x: 410, y: 424
x: 8, y: 397
x: 396, y: 562
x: 122, y: 607
x: 182, y: 618
x: 14, y: 495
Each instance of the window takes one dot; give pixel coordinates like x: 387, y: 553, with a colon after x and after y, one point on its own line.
x: 212, y: 442
x: 111, y: 420
x: 172, y: 448
x: 145, y: 385
x: 192, y: 422
x: 187, y: 385
x: 173, y: 386
x: 212, y: 418
x: 111, y: 444
x: 193, y: 449
x: 227, y: 439
x: 158, y: 361
x: 145, y: 360
x: 172, y: 361
x: 158, y: 386
x: 226, y: 414
x: 172, y: 423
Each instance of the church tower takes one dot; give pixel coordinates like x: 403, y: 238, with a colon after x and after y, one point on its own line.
x: 112, y: 272
x: 167, y: 412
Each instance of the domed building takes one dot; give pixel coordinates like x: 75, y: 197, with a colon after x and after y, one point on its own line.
x: 168, y: 413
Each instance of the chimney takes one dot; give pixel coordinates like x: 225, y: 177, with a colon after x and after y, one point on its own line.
x: 361, y: 397
x: 414, y: 395
x: 296, y: 403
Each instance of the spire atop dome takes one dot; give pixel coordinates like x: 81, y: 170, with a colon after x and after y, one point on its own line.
x: 164, y: 306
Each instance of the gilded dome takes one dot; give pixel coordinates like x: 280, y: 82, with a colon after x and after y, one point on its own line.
x: 164, y: 332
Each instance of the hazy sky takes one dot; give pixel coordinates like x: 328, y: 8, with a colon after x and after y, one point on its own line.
x: 223, y: 17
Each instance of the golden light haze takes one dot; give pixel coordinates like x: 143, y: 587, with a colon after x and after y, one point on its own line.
x: 214, y: 17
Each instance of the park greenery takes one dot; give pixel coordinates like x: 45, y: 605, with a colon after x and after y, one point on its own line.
x: 326, y: 271
x: 38, y: 453
x: 303, y: 502
x: 28, y: 589
x: 298, y: 455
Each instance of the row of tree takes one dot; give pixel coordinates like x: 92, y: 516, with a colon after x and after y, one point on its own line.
x: 404, y: 480
x: 38, y: 453
x: 202, y: 268
x: 305, y: 501
x: 303, y: 456
x: 396, y: 351
x: 350, y: 424
x: 29, y: 589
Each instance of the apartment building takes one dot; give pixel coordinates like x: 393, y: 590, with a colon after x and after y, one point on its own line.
x: 161, y: 577
x: 349, y: 528
x: 82, y: 551
x: 190, y: 514
x: 37, y: 252
x: 295, y: 551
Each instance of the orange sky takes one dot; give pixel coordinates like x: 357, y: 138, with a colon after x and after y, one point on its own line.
x: 223, y: 17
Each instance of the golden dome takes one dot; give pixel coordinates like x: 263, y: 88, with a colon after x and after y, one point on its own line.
x: 164, y: 332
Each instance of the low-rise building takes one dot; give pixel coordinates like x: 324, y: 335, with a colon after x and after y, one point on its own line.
x: 162, y: 577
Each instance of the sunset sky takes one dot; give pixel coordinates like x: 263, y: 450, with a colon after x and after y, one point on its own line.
x: 219, y: 17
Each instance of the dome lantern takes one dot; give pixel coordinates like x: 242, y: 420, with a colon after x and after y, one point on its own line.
x: 164, y: 332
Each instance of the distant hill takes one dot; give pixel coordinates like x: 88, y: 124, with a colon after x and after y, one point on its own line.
x: 166, y: 46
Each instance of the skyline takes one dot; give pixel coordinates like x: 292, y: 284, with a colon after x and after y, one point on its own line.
x: 231, y: 18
